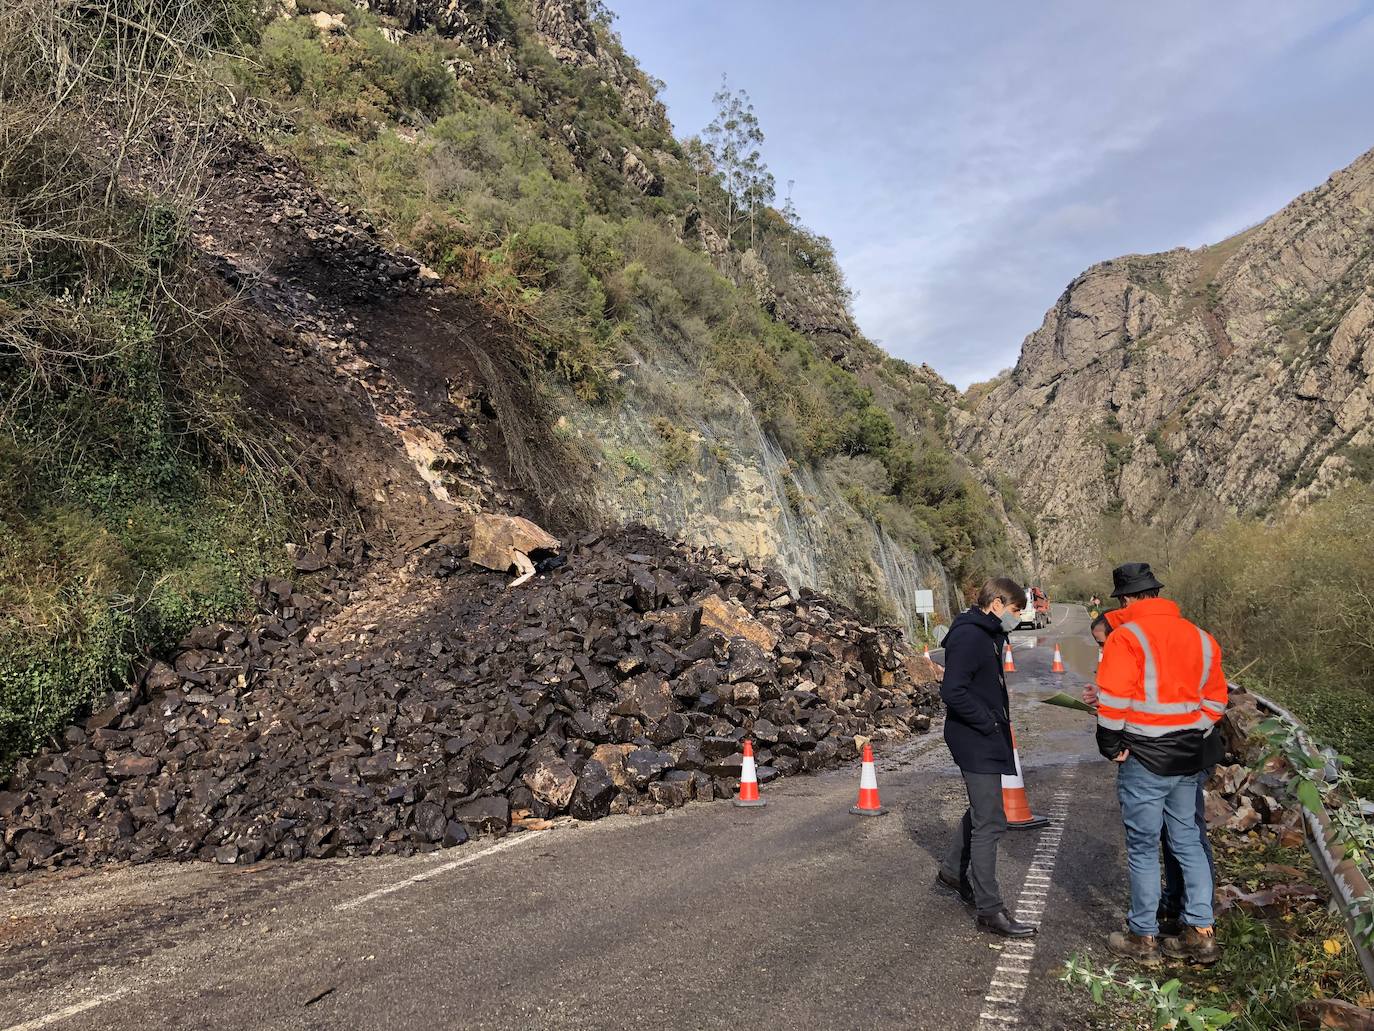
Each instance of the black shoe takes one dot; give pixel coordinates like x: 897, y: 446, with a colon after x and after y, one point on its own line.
x: 1002, y: 923
x: 1170, y: 925
x: 949, y: 883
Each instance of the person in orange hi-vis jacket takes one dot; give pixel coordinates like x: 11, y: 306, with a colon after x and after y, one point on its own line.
x: 1171, y: 903
x: 1160, y: 694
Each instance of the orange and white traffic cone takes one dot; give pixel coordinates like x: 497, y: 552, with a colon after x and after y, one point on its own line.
x: 927, y: 653
x: 1058, y: 666
x: 749, y: 780
x: 1014, y: 802
x: 1008, y: 666
x: 868, y: 804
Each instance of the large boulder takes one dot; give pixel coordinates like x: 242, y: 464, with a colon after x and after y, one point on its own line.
x: 501, y: 542
x: 490, y: 814
x: 591, y: 798
x: 733, y: 620
x: 551, y: 780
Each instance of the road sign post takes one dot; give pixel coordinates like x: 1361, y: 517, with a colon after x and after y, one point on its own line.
x: 925, y: 605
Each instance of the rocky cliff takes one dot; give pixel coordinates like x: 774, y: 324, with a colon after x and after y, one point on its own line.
x: 1170, y: 389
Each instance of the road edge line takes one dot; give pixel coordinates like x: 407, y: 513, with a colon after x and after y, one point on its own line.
x: 1002, y: 1002
x: 424, y: 875
x: 68, y: 1011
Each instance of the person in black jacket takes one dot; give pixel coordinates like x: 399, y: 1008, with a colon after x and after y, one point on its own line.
x: 978, y: 733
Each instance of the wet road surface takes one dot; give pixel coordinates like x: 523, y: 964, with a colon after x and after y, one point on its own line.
x: 797, y: 915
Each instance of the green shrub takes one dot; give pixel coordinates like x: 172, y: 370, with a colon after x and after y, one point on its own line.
x: 635, y: 463
x: 1292, y: 602
x: 677, y: 448
x: 122, y: 526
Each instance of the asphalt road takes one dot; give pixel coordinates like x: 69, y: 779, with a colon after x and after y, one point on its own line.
x: 796, y: 915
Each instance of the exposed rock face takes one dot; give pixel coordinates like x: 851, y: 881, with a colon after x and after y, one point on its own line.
x: 480, y: 25
x: 566, y: 28
x: 1175, y: 387
x: 735, y: 489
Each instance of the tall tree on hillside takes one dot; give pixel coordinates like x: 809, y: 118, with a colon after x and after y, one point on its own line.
x: 789, y: 214
x: 733, y: 140
x: 699, y: 160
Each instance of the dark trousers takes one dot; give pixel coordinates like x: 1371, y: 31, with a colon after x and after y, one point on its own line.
x: 1171, y: 903
x: 973, y: 856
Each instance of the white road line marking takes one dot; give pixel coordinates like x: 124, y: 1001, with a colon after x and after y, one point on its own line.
x: 69, y: 1011
x: 500, y: 846
x: 1007, y: 989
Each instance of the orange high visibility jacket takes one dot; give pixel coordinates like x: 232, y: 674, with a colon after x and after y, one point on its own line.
x: 1161, y: 689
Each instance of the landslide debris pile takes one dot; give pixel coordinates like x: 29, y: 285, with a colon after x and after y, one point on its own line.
x: 624, y: 680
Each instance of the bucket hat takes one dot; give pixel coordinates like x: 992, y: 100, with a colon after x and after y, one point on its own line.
x: 1133, y: 578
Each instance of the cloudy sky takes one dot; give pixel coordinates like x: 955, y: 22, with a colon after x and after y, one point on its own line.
x: 968, y: 160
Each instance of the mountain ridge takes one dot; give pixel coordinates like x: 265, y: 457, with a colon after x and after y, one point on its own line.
x: 1184, y: 386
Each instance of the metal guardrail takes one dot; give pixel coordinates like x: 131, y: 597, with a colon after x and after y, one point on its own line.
x: 1345, y: 879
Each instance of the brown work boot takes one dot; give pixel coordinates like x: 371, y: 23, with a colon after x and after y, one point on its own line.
x: 1142, y: 949
x: 1195, y: 944
x: 1170, y: 925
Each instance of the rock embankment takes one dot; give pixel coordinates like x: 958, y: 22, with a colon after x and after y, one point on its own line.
x: 428, y: 706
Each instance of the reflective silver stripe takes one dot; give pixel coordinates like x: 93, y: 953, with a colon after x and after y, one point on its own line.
x: 1203, y: 722
x: 1206, y: 661
x: 1110, y: 723
x: 1211, y: 705
x: 1151, y: 670
x: 1112, y: 701
x: 1167, y: 708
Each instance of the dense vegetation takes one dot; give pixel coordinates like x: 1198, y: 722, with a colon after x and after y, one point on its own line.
x: 133, y: 504
x: 511, y: 180
x: 1289, y: 602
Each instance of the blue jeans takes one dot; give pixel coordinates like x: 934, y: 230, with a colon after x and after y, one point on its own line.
x: 1150, y: 802
x: 1172, y: 902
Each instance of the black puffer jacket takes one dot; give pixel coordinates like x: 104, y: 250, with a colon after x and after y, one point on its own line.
x: 977, y: 721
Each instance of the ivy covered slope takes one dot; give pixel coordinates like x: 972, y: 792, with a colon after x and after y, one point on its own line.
x: 697, y: 338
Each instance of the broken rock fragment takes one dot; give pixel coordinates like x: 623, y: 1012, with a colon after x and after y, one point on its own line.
x: 503, y: 542
x: 552, y: 781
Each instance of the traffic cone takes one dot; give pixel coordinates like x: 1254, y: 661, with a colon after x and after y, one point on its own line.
x: 1058, y: 666
x: 1014, y: 802
x: 1007, y: 665
x: 928, y: 659
x: 749, y: 780
x: 868, y: 804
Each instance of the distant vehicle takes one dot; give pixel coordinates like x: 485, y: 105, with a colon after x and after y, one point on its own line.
x: 1036, y: 614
